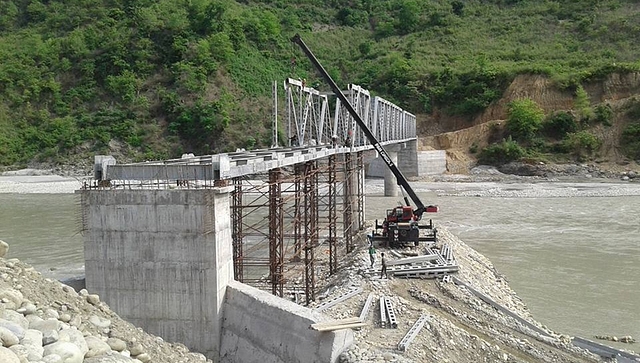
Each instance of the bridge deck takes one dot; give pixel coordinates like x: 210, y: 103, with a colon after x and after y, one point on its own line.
x: 223, y: 166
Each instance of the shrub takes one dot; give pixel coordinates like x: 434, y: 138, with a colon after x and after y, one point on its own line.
x: 473, y: 148
x: 559, y: 124
x: 524, y: 119
x: 503, y: 152
x: 603, y: 114
x: 633, y: 109
x: 630, y: 141
x: 582, y: 143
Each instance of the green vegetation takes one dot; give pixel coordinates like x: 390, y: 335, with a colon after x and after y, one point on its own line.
x: 532, y: 135
x: 502, y: 152
x: 163, y: 77
x: 559, y: 124
x: 582, y: 143
x: 524, y: 120
x: 630, y: 141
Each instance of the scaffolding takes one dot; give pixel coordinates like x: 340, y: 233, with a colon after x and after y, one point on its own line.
x: 283, y: 225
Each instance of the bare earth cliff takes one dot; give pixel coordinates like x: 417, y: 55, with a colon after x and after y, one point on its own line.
x: 457, y: 135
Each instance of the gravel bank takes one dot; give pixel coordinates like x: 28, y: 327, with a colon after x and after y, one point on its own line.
x: 460, y: 326
x: 38, y: 181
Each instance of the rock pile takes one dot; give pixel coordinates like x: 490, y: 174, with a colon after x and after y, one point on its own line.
x: 44, y: 321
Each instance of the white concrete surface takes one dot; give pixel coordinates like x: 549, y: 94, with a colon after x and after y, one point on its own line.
x: 262, y: 328
x: 432, y: 162
x: 162, y: 259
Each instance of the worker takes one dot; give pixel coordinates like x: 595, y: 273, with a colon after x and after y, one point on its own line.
x: 384, y: 267
x: 372, y: 253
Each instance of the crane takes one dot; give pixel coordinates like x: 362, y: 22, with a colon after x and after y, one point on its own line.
x: 401, y: 223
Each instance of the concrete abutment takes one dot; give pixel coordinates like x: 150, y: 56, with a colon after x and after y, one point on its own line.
x: 162, y: 259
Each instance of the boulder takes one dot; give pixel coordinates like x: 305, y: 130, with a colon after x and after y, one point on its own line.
x: 117, y: 344
x: 110, y: 358
x: 74, y: 336
x: 12, y: 297
x: 4, y: 248
x: 13, y: 327
x: 69, y: 352
x: 32, y: 354
x: 7, y: 338
x: 7, y: 356
x: 97, y: 347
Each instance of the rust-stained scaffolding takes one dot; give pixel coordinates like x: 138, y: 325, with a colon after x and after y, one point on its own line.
x: 289, y: 224
x: 285, y: 229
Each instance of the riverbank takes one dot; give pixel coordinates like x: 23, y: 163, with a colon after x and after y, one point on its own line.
x: 460, y: 326
x: 39, y: 181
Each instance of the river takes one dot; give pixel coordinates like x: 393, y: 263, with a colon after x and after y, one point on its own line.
x: 570, y: 250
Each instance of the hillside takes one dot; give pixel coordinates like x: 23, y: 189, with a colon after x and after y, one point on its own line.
x: 149, y: 80
x: 619, y: 93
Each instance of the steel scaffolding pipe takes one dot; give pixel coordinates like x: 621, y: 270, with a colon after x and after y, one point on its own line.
x: 276, y: 222
x: 236, y: 234
x: 311, y: 229
x: 348, y: 202
x: 333, y: 216
x: 360, y: 189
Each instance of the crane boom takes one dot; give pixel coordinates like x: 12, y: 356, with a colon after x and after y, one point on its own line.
x: 402, y: 181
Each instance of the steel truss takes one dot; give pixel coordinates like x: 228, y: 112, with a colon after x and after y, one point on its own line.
x: 307, y: 115
x: 391, y: 122
x: 344, y: 125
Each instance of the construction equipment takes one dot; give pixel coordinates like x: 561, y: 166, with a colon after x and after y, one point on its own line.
x: 401, y: 225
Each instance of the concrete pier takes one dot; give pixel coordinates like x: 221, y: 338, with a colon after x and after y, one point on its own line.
x: 161, y: 259
x: 390, y: 180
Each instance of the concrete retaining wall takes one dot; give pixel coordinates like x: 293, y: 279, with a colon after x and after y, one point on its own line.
x: 432, y: 162
x: 261, y: 328
x: 408, y: 159
x: 161, y: 259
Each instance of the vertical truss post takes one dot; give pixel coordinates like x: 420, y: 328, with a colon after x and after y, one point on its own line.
x: 237, y: 235
x: 276, y: 222
x: 274, y: 125
x: 333, y: 217
x: 348, y: 202
x: 360, y: 189
x: 311, y: 228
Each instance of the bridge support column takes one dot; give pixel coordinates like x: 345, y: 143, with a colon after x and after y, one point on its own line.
x: 162, y: 259
x: 390, y: 180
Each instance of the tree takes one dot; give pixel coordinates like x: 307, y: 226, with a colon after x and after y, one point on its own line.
x: 524, y: 119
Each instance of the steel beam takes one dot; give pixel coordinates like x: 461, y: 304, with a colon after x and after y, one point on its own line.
x: 412, y: 333
x: 329, y: 303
